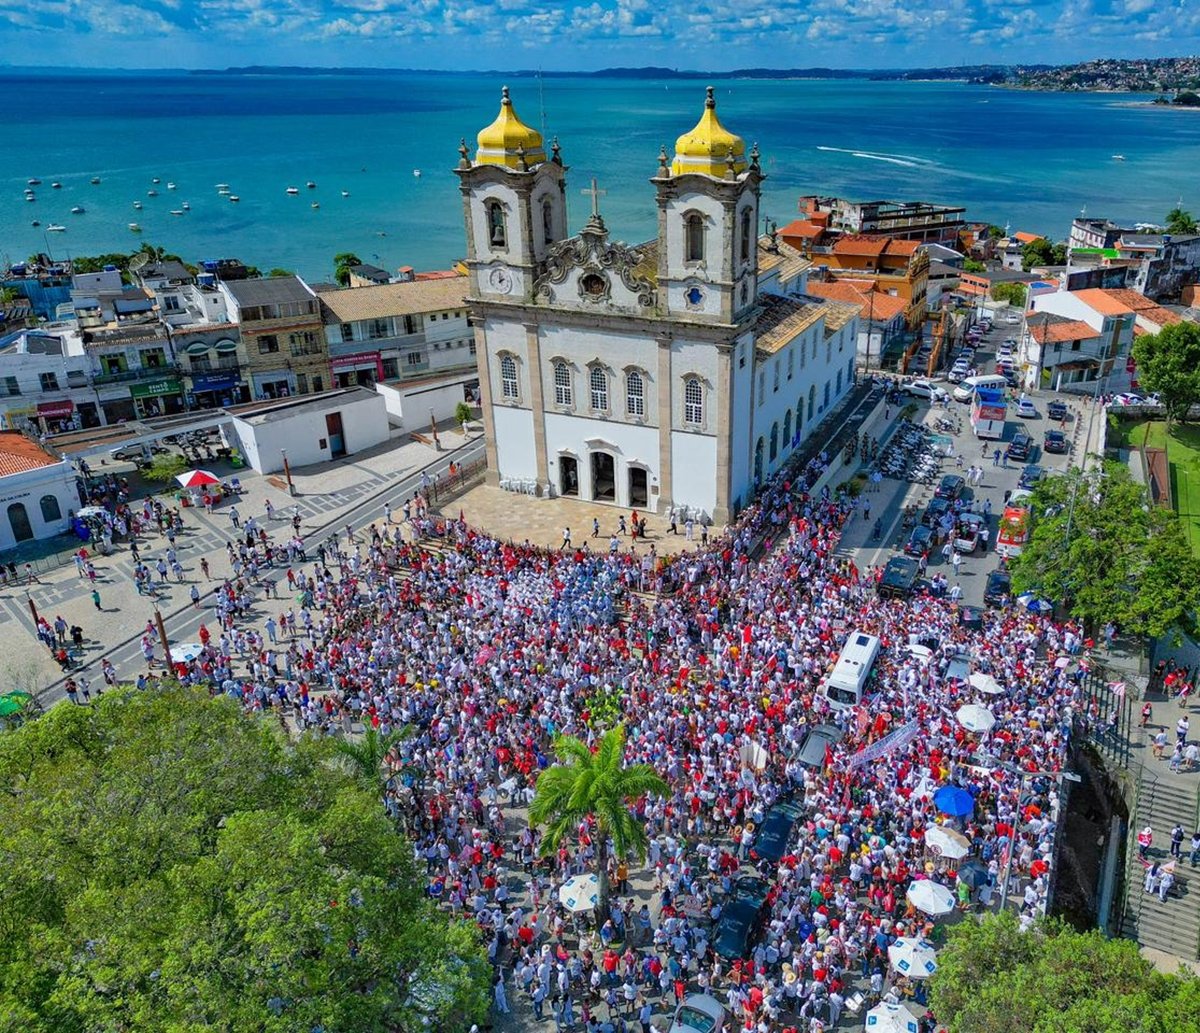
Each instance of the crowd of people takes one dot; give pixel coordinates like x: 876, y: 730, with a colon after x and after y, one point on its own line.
x: 488, y: 649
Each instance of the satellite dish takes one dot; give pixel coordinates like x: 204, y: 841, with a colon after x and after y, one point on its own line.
x: 138, y: 260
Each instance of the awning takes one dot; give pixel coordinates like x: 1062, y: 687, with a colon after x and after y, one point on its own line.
x: 360, y: 360
x: 52, y: 409
x: 166, y: 386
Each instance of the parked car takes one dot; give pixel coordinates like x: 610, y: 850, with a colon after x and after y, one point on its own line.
x: 967, y: 533
x: 950, y: 487
x: 820, y: 737
x: 136, y: 453
x: 775, y: 832
x: 923, y: 388
x: 920, y: 541
x: 1030, y: 476
x: 699, y: 1013
x: 934, y: 512
x: 997, y: 588
x: 1026, y: 409
x: 1020, y: 445
x: 899, y: 577
x: 1056, y: 410
x: 1055, y: 441
x: 742, y: 917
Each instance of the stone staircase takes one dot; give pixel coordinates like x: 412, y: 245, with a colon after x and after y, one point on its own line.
x: 1174, y: 926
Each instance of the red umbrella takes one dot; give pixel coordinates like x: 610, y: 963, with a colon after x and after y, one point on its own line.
x: 197, y: 479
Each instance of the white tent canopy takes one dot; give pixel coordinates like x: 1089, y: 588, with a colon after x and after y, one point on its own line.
x: 913, y: 957
x: 931, y: 897
x: 975, y: 718
x: 947, y: 843
x: 580, y: 893
x: 891, y: 1018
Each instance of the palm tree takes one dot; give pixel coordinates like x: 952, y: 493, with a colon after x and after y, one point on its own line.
x: 365, y: 757
x: 1179, y: 220
x: 341, y: 266
x: 594, y: 785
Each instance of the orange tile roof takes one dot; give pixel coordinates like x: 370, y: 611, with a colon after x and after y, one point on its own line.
x: 1027, y: 238
x: 1103, y: 301
x: 873, y: 304
x: 860, y: 244
x: 1071, y: 330
x: 801, y: 228
x: 902, y: 247
x: 18, y: 454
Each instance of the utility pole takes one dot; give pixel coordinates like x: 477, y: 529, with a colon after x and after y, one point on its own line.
x: 162, y: 635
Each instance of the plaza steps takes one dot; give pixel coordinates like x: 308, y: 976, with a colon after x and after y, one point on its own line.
x: 1174, y: 926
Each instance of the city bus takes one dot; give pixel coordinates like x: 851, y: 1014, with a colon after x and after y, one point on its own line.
x: 847, y: 682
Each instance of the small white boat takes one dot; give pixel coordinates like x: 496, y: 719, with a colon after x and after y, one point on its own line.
x: 170, y: 186
x: 78, y: 210
x: 35, y: 182
x: 417, y: 173
x: 234, y: 198
x: 311, y: 185
x: 292, y: 190
x: 224, y: 191
x: 56, y: 186
x: 135, y: 227
x: 186, y: 207
x: 345, y: 193
x: 176, y: 211
x: 222, y: 186
x: 35, y: 224
x: 95, y: 181
x: 137, y: 205
x: 315, y: 204
x: 152, y: 193
x: 156, y: 181
x: 30, y: 197
x: 1118, y: 157
x: 54, y: 227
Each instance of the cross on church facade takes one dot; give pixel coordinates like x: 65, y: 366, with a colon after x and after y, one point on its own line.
x: 596, y: 193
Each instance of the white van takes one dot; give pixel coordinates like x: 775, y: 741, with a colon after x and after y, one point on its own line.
x: 966, y: 390
x: 847, y: 683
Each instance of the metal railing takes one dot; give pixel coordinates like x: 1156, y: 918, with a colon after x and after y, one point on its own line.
x: 142, y: 373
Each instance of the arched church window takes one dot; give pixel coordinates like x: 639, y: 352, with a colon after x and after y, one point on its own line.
x: 599, y: 384
x: 693, y: 229
x: 747, y: 231
x: 497, y: 230
x: 693, y: 401
x: 548, y: 221
x: 562, y: 384
x: 51, y: 512
x: 508, y: 377
x: 635, y: 394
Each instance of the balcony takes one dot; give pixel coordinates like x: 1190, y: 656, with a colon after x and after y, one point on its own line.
x: 230, y: 366
x: 141, y: 373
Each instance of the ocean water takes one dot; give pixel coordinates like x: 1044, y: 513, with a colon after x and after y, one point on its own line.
x: 1030, y: 159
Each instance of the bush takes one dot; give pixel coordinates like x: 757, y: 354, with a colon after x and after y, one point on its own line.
x: 462, y: 412
x: 165, y: 467
x: 855, y: 486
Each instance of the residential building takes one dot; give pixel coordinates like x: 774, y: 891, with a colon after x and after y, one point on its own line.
x: 39, y: 491
x: 1097, y: 234
x: 905, y: 220
x: 897, y: 268
x: 281, y: 345
x: 44, y: 388
x: 398, y: 331
x: 981, y: 284
x: 677, y: 373
x: 1078, y: 338
x: 881, y: 316
x: 366, y: 275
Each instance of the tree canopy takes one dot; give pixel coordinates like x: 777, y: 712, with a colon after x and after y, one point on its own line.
x: 1168, y: 363
x: 1042, y: 252
x: 994, y: 978
x: 1100, y: 546
x: 168, y: 864
x: 1012, y: 292
x: 1179, y: 220
x: 341, y: 266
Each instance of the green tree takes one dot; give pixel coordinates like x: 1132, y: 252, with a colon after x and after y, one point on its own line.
x: 1042, y: 252
x: 996, y: 232
x: 275, y: 273
x: 462, y: 413
x: 1187, y: 99
x: 994, y: 978
x: 341, y: 266
x: 594, y: 785
x: 1179, y: 220
x: 170, y: 864
x: 1168, y: 363
x: 972, y: 265
x: 1012, y: 292
x: 365, y: 757
x: 165, y: 467
x: 1099, y: 546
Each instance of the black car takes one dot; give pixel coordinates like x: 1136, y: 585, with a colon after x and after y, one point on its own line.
x: 1020, y: 445
x: 998, y: 587
x: 819, y: 738
x: 1055, y: 441
x: 899, y: 577
x: 934, y: 512
x: 950, y: 486
x: 775, y: 833
x: 970, y: 617
x: 920, y: 541
x: 742, y: 918
x: 1030, y: 476
x: 1056, y: 410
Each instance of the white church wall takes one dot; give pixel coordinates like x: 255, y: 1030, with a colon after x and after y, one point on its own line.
x: 698, y: 358
x: 515, y: 451
x: 694, y: 471
x: 629, y: 445
x: 742, y: 373
x: 715, y: 248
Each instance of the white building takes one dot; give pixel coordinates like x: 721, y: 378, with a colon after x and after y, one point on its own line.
x: 1076, y: 338
x: 678, y: 372
x: 37, y: 491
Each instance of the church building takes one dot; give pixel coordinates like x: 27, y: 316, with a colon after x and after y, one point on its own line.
x: 676, y: 373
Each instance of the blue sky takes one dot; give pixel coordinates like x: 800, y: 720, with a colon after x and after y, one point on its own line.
x: 586, y: 34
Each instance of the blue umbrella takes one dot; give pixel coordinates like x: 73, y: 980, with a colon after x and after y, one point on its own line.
x: 954, y: 801
x: 974, y: 874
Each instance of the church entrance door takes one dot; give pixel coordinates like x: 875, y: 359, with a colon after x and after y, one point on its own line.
x: 639, y: 494
x: 604, y: 477
x: 568, y: 476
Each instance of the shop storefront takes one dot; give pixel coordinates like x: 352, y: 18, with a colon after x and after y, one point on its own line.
x: 364, y: 368
x: 279, y: 383
x: 213, y: 390
x: 57, y: 417
x: 157, y: 397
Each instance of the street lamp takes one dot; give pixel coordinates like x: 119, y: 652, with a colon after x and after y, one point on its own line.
x: 162, y: 635
x: 433, y: 430
x: 287, y: 473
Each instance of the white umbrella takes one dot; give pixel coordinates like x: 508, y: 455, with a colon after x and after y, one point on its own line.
x: 975, y: 718
x: 580, y: 893
x: 931, y: 897
x: 891, y: 1018
x: 985, y: 683
x: 186, y: 651
x: 913, y: 957
x: 946, y: 842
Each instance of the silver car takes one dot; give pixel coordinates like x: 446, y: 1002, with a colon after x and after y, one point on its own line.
x: 699, y: 1013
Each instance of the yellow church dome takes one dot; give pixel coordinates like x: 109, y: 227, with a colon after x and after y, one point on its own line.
x: 508, y: 141
x: 708, y: 147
